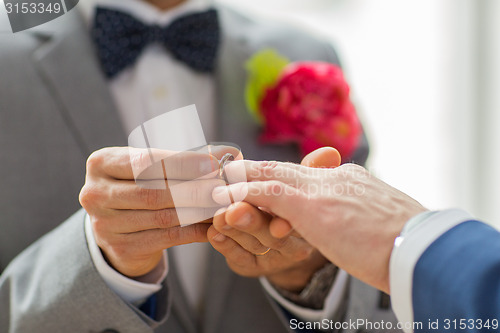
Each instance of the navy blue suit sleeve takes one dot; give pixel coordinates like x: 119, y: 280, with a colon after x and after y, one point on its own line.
x: 458, y: 277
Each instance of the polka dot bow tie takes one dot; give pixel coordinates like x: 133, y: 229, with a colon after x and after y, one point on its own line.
x: 120, y: 39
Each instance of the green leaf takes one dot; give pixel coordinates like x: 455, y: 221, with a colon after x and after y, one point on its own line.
x: 264, y: 69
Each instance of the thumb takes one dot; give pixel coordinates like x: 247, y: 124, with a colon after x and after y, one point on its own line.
x: 326, y: 157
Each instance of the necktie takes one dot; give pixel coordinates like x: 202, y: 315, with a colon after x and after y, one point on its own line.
x: 120, y: 39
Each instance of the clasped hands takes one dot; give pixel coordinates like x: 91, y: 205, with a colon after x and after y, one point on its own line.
x: 133, y: 222
x: 351, y: 217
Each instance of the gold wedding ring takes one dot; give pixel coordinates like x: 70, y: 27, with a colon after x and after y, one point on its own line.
x: 263, y: 253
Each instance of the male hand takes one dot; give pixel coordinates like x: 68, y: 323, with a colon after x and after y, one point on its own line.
x: 133, y: 221
x: 350, y: 216
x: 253, y: 247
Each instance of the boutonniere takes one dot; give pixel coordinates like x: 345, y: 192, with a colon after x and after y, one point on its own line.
x: 303, y: 102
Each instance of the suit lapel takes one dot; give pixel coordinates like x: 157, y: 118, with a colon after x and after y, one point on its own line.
x: 230, y: 82
x: 67, y: 64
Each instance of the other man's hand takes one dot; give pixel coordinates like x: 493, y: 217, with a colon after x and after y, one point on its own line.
x: 253, y: 247
x: 350, y: 216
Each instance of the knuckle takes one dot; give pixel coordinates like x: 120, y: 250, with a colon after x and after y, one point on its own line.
x: 83, y: 197
x: 165, y: 218
x: 149, y: 197
x: 199, y: 232
x: 257, y: 247
x: 268, y: 165
x: 99, y: 226
x: 139, y: 160
x: 172, y: 234
x: 354, y: 169
x: 90, y: 196
x: 303, y: 254
x: 266, y: 168
x: 278, y: 243
x: 182, y: 235
x: 96, y: 159
x: 276, y: 187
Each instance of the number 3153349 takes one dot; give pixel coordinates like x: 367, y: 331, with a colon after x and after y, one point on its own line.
x: 33, y: 8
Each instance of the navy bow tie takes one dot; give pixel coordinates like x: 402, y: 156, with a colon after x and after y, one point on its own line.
x: 120, y: 39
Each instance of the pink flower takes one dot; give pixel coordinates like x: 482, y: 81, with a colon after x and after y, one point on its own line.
x: 310, y: 105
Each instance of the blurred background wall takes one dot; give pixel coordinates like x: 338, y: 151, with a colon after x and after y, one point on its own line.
x: 425, y: 75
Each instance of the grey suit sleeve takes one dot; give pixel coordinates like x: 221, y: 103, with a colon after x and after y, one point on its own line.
x: 53, y: 286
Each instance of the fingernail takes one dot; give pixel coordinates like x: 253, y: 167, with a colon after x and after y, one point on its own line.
x: 244, y: 221
x: 227, y: 228
x: 219, y: 238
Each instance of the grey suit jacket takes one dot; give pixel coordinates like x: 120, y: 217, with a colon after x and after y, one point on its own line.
x: 55, y: 109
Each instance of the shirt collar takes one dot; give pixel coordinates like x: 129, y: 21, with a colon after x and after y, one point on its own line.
x: 142, y: 10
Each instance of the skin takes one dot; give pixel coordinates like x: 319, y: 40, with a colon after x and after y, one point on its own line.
x: 350, y: 216
x: 243, y: 231
x: 133, y: 222
x: 165, y: 5
x: 325, y: 157
x: 132, y: 225
x: 132, y: 240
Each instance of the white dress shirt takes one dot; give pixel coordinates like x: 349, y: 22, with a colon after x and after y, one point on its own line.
x: 155, y: 84
x: 417, y: 235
